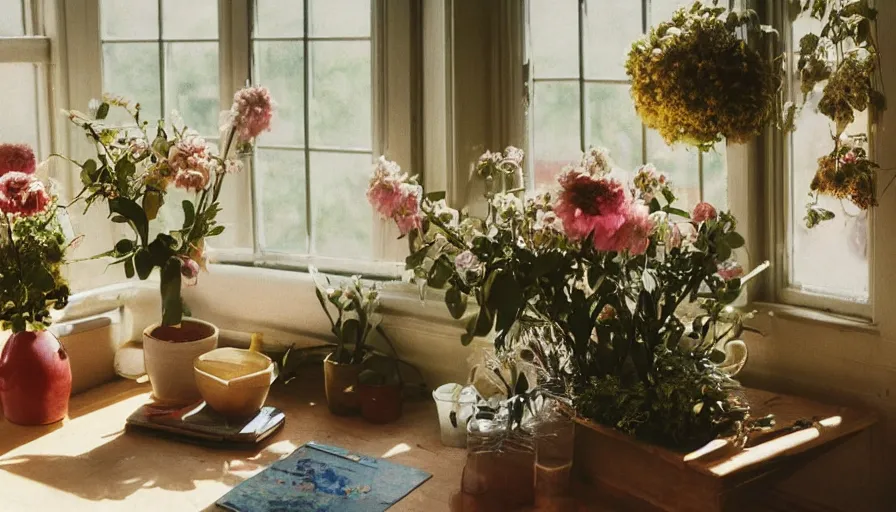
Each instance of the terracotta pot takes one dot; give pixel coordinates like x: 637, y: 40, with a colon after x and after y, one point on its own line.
x: 35, y: 379
x: 169, y: 352
x: 340, y: 380
x: 380, y: 404
x: 234, y: 382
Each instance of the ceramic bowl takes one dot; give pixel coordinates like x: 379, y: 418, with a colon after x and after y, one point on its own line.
x: 234, y: 382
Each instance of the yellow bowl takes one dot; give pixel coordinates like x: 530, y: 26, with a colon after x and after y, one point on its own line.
x: 233, y: 381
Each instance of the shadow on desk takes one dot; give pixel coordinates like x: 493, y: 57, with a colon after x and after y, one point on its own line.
x: 106, y: 473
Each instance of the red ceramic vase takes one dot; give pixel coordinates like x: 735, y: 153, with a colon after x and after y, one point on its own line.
x: 35, y: 379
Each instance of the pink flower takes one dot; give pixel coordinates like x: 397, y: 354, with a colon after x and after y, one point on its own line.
x: 252, y: 111
x: 590, y: 205
x: 16, y: 158
x: 189, y: 269
x: 634, y: 235
x: 673, y: 238
x: 191, y: 163
x: 703, y: 212
x: 393, y: 197
x: 730, y: 270
x: 22, y: 194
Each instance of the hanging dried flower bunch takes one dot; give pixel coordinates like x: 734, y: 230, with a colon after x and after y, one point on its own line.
x: 844, y: 57
x: 696, y: 82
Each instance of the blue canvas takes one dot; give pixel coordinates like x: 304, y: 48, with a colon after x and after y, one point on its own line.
x: 323, y: 478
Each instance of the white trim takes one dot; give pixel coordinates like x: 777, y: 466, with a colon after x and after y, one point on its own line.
x: 31, y: 49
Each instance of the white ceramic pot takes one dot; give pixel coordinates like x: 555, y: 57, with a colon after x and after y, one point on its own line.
x: 169, y: 364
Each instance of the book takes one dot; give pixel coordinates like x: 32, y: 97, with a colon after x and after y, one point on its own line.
x: 320, y: 478
x: 200, y: 423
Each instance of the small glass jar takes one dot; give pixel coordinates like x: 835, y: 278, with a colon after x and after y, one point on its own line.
x: 455, y: 407
x: 499, y: 472
x: 555, y: 446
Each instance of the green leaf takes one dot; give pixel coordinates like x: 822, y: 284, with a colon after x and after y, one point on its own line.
x: 152, y: 203
x: 735, y: 240
x: 669, y: 195
x: 215, y: 231
x: 129, y: 268
x: 436, y: 196
x: 172, y: 304
x: 124, y: 246
x: 88, y: 172
x: 506, y: 297
x: 676, y: 211
x: 441, y: 270
x: 189, y: 213
x: 129, y: 209
x: 456, y: 302
x: 416, y: 259
x: 143, y: 263
x: 102, y: 111
x: 118, y: 219
x: 124, y: 170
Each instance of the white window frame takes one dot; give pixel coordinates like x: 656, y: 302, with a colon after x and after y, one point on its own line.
x: 396, y: 113
x: 34, y: 48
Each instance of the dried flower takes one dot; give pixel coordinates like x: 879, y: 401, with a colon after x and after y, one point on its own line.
x: 596, y: 161
x: 191, y: 162
x: 704, y: 212
x: 17, y: 158
x: 252, y: 111
x: 590, y: 205
x: 695, y: 81
x: 649, y: 182
x: 22, y: 194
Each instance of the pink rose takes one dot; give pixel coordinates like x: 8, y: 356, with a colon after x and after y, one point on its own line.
x: 730, y: 270
x: 22, y: 194
x: 703, y: 212
x: 634, y: 234
x: 17, y: 158
x: 590, y: 205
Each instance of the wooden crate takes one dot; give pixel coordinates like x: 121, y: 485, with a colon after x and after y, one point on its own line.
x: 612, y: 467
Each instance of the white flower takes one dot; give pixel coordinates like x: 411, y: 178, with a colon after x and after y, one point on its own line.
x: 466, y: 261
x: 93, y: 106
x: 547, y: 221
x: 449, y: 216
x: 597, y: 161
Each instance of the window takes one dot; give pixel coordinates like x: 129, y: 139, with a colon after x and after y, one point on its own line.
x: 312, y: 169
x: 580, y: 95
x: 841, y: 243
x: 24, y: 56
x: 302, y: 201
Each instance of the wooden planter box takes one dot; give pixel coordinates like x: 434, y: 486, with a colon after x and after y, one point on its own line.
x: 612, y: 467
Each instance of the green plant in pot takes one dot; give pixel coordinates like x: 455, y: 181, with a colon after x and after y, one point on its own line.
x: 137, y: 165
x: 350, y: 308
x: 35, y: 374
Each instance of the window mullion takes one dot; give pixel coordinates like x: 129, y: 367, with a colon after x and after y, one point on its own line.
x: 306, y: 121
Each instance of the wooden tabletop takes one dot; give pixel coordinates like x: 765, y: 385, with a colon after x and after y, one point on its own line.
x: 87, y: 462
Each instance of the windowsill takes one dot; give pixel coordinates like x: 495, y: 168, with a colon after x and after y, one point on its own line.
x: 814, y: 316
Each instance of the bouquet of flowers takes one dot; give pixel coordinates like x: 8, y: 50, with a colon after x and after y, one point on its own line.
x: 32, y: 243
x: 134, y: 168
x: 696, y: 82
x: 622, y: 284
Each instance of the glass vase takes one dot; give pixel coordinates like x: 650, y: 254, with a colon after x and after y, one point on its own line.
x: 555, y: 446
x: 455, y: 407
x: 499, y: 471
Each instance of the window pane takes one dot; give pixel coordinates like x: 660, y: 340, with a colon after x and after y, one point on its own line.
x: 340, y: 94
x: 19, y: 122
x: 662, y: 10
x: 680, y: 163
x: 280, y: 182
x: 841, y: 243
x: 555, y: 118
x: 191, y: 84
x: 194, y: 19
x: 11, y: 22
x: 715, y: 177
x: 278, y: 18
x: 613, y: 124
x: 610, y: 29
x: 279, y: 66
x: 132, y: 70
x: 129, y: 20
x: 554, y: 27
x: 339, y: 18
x: 342, y: 223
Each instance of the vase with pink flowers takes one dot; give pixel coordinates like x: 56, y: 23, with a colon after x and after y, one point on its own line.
x: 135, y: 167
x: 35, y: 374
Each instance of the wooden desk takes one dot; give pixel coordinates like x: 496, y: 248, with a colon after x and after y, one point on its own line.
x: 88, y: 463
